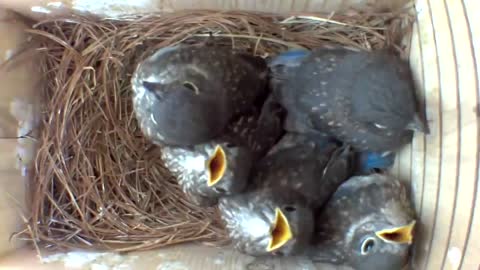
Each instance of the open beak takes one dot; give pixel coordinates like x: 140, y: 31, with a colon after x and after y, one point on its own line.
x: 419, y: 125
x: 281, y: 232
x: 399, y: 235
x: 217, y: 165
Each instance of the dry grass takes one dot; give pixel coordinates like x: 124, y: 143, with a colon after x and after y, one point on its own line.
x: 99, y: 184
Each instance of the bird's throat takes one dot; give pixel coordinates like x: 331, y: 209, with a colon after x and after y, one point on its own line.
x: 281, y: 232
x: 217, y: 166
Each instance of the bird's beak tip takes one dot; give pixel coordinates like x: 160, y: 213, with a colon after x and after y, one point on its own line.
x: 399, y: 235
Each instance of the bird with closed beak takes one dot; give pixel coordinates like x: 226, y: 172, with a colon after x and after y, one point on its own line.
x: 274, y: 215
x: 367, y: 224
x: 365, y: 99
x: 185, y: 95
x: 221, y: 167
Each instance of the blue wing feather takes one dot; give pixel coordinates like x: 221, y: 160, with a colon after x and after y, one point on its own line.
x: 290, y: 58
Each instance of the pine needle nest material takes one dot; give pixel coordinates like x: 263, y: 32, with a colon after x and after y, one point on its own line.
x: 99, y: 183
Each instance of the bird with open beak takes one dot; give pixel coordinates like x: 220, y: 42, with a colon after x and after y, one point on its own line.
x: 188, y: 94
x: 365, y: 99
x: 274, y: 216
x: 367, y: 224
x: 222, y: 167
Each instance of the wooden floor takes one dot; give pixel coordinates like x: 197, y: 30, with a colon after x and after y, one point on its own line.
x: 187, y: 257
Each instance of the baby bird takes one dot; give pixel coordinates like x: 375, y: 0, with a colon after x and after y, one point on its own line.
x: 367, y: 224
x: 274, y: 216
x: 365, y: 99
x: 187, y: 94
x: 221, y: 167
x: 314, y: 167
x: 269, y: 221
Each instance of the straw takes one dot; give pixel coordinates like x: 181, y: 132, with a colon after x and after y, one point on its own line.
x: 99, y: 184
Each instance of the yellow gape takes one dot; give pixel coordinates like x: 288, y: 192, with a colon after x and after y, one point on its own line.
x: 281, y: 232
x: 399, y: 235
x: 216, y: 166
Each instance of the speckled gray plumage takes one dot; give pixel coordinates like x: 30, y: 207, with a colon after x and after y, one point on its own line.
x: 314, y: 167
x: 171, y: 111
x: 365, y: 99
x: 246, y: 140
x: 249, y: 219
x: 298, y: 171
x: 361, y: 206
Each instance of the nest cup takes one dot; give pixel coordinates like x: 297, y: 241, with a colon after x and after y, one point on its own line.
x: 98, y: 184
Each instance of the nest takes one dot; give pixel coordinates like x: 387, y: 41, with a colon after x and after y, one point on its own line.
x: 99, y: 184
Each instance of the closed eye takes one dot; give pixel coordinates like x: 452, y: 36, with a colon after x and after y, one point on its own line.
x: 191, y: 86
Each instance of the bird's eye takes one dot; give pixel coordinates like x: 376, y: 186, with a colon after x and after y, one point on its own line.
x: 367, y: 246
x: 230, y: 145
x: 220, y: 190
x: 289, y: 208
x: 191, y: 86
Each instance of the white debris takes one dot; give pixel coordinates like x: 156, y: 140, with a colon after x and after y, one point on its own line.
x: 39, y: 9
x: 454, y: 257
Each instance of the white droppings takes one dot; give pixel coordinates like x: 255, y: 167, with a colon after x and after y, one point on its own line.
x: 27, y: 116
x: 322, y: 104
x: 97, y: 266
x: 454, y: 256
x: 219, y: 261
x: 92, y: 260
x: 172, y: 265
x: 55, y: 4
x: 331, y: 123
x: 39, y: 9
x: 8, y: 54
x: 114, y: 8
x: 323, y: 83
x: 73, y: 259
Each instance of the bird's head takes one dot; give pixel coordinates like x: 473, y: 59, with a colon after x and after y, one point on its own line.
x: 379, y: 244
x: 267, y: 222
x: 209, y: 171
x: 177, y: 100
